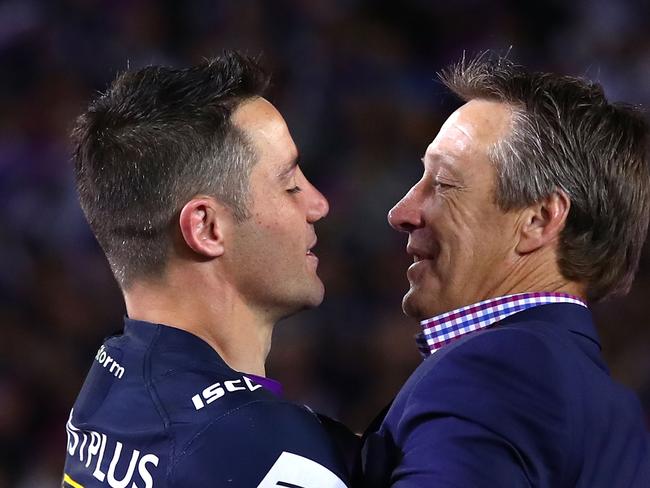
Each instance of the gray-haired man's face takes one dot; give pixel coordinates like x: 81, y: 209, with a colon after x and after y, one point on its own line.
x: 462, y: 244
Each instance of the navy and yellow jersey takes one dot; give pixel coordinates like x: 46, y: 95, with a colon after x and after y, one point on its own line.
x: 160, y: 409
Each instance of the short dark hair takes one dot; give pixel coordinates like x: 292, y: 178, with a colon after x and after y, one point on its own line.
x: 566, y: 136
x: 156, y: 138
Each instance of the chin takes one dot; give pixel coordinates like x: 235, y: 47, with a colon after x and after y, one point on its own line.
x: 317, y: 296
x: 411, y: 307
x: 311, y: 297
x: 298, y: 304
x: 420, y: 305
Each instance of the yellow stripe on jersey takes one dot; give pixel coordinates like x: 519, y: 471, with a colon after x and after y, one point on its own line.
x: 71, y: 482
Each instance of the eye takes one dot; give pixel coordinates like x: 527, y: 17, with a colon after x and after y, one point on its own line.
x: 295, y: 189
x: 441, y: 185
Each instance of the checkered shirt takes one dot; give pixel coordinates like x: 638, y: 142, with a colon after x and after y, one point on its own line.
x: 449, y: 326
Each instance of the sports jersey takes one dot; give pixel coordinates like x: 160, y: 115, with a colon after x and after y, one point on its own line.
x: 161, y: 409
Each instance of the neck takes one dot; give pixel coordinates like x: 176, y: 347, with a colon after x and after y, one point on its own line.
x: 537, y: 273
x: 218, y: 315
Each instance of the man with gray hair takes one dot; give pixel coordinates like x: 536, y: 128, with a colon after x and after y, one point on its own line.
x: 534, y: 201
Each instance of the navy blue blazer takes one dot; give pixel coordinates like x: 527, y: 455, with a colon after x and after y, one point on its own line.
x: 525, y: 403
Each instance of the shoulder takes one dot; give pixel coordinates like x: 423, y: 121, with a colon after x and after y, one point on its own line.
x: 506, y: 389
x: 499, y: 354
x: 259, y: 437
x: 228, y: 428
x: 508, y: 380
x: 271, y: 422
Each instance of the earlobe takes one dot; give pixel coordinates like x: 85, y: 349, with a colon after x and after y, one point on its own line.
x: 543, y: 222
x: 201, y: 227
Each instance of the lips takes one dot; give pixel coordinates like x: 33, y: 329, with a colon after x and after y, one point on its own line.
x: 312, y: 245
x: 310, y: 253
x: 418, y: 253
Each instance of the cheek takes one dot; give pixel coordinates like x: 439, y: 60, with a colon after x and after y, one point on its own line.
x: 487, y: 244
x: 262, y: 263
x: 464, y: 236
x: 278, y: 241
x: 454, y: 226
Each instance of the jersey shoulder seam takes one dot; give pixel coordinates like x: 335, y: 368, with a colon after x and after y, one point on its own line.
x: 153, y: 394
x: 233, y: 411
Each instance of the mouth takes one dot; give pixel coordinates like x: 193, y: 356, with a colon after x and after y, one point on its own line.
x: 424, y: 261
x: 418, y: 254
x: 310, y: 252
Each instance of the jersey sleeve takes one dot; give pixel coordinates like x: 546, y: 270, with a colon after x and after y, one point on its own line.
x: 493, y: 412
x: 261, y: 444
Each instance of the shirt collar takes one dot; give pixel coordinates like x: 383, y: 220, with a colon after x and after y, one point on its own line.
x: 449, y: 326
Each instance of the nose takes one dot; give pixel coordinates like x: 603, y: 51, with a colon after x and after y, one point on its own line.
x: 318, y: 207
x: 406, y: 215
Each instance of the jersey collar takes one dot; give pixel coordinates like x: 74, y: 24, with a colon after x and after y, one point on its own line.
x: 183, y: 347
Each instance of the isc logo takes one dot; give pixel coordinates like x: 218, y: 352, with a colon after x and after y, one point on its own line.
x: 216, y: 391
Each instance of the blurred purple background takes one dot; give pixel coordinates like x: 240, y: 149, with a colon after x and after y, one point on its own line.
x: 356, y: 83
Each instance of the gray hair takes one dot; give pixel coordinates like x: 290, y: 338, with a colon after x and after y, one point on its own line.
x: 565, y: 136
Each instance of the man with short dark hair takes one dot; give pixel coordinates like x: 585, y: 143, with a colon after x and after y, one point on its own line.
x: 534, y: 199
x: 190, y: 181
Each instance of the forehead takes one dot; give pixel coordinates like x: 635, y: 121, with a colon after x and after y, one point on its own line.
x: 267, y: 131
x: 467, y: 135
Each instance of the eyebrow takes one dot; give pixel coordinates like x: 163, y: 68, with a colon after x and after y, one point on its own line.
x: 442, y: 162
x: 288, y: 168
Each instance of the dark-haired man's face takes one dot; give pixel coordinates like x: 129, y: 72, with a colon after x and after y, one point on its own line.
x: 462, y: 244
x: 270, y: 257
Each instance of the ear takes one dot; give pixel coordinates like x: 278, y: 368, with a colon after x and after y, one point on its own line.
x: 201, y: 222
x: 543, y: 222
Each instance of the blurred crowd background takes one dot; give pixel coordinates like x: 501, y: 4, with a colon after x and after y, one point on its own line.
x: 356, y: 81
